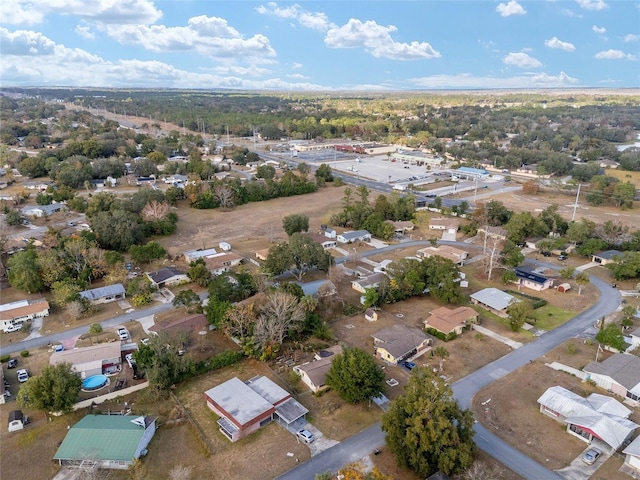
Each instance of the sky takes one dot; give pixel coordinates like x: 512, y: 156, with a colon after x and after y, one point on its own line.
x: 330, y: 45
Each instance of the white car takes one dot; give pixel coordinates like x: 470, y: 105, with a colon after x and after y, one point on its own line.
x: 130, y: 360
x: 305, y: 435
x: 23, y: 376
x: 12, y: 328
x: 123, y: 333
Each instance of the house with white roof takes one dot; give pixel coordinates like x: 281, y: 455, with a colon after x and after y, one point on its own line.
x: 595, y: 417
x: 493, y: 300
x: 108, y: 294
x: 99, y: 359
x: 354, y: 236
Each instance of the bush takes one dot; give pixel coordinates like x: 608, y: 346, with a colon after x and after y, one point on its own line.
x: 536, y: 302
x: 4, y: 358
x: 440, y: 335
x: 221, y: 360
x: 24, y: 353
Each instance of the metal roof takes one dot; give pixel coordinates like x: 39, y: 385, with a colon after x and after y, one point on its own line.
x: 101, y: 292
x: 241, y: 402
x: 633, y: 448
x: 494, y: 298
x: 102, y: 437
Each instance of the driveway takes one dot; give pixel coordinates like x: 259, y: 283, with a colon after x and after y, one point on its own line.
x: 578, y: 470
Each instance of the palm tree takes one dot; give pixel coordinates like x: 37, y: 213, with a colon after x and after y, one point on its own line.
x: 582, y: 279
x: 95, y: 329
x: 441, y: 353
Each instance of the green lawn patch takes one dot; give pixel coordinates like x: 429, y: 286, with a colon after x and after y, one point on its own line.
x: 549, y: 317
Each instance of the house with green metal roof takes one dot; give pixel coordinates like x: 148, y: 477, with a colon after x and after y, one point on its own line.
x: 107, y: 441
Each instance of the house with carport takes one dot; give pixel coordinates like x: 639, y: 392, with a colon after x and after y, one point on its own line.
x: 449, y: 321
x: 450, y: 225
x: 354, y: 236
x: 222, y: 262
x: 39, y: 211
x: 632, y: 457
x: 595, y: 417
x: 371, y: 281
x: 325, y: 242
x: 399, y: 342
x: 244, y: 407
x: 314, y: 373
x: 494, y: 300
x: 618, y: 374
x: 607, y: 257
x: 106, y: 441
x: 108, y: 294
x: 100, y: 359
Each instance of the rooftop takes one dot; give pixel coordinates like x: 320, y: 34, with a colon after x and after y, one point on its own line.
x: 101, y: 292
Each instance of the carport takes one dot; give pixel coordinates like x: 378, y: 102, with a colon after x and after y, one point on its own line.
x: 289, y: 411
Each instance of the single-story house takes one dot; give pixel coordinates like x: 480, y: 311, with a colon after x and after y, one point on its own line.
x: 222, y: 262
x: 354, y: 236
x: 37, y: 185
x: 397, y: 343
x: 94, y: 360
x: 191, y: 324
x: 447, y: 320
x: 470, y: 172
x: 618, y: 374
x: 490, y: 231
x: 400, y: 227
x: 596, y: 416
x: 635, y: 339
x: 262, y: 254
x: 320, y: 239
x: 244, y: 407
x: 444, y: 223
x: 370, y: 315
x: 493, y: 300
x: 108, y: 294
x: 371, y: 281
x: 176, y: 178
x: 632, y: 455
x: 165, y: 277
x: 103, y: 182
x: 456, y: 255
x: 606, y: 257
x: 563, y: 287
x: 38, y: 211
x: 313, y: 373
x: 193, y: 255
x: 531, y: 277
x: 111, y: 441
x: 22, y: 310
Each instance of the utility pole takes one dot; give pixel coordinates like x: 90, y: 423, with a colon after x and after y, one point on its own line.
x: 575, y: 205
x: 475, y: 191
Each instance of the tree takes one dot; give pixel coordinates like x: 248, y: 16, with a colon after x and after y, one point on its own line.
x: 628, y: 266
x: 280, y: 315
x: 517, y: 314
x: 266, y: 171
x: 117, y: 230
x: 24, y: 273
x: 426, y: 430
x: 95, y: 329
x: 582, y: 279
x: 324, y: 172
x: 189, y: 299
x: 612, y: 336
x: 161, y: 362
x: 147, y: 253
x: 624, y: 194
x: 511, y: 255
x: 567, y: 272
x: 442, y: 279
x: 441, y: 353
x: 55, y: 389
x: 299, y: 256
x: 155, y: 210
x: 355, y: 376
x: 199, y: 273
x: 13, y: 217
x: 295, y: 223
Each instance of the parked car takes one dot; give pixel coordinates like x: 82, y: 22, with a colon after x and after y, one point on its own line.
x: 591, y: 455
x: 58, y: 348
x: 409, y: 365
x: 123, y: 333
x: 305, y: 435
x: 12, y: 363
x: 23, y: 375
x: 130, y: 360
x: 12, y: 328
x: 546, y: 253
x: 145, y: 341
x: 562, y: 257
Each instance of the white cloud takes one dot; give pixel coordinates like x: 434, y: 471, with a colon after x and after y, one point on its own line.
x: 522, y: 60
x: 32, y: 12
x: 466, y: 80
x: 511, y: 8
x: 593, y: 4
x: 556, y: 43
x: 297, y: 65
x: 598, y: 30
x: 251, y: 71
x: 376, y: 39
x: 613, y: 55
x: 632, y: 37
x: 297, y: 76
x: 85, y: 32
x: 210, y: 36
x: 570, y: 13
x: 25, y: 43
x: 313, y: 20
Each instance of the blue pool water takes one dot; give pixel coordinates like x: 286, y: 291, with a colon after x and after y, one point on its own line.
x: 95, y: 382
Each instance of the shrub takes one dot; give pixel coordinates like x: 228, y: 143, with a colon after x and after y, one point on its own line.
x: 24, y: 353
x: 4, y: 358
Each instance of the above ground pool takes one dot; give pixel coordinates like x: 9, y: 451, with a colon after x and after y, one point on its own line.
x: 95, y: 382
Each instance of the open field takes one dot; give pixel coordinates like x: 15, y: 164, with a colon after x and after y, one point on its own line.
x: 517, y: 420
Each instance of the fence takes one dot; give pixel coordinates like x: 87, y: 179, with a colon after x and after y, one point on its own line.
x: 110, y: 396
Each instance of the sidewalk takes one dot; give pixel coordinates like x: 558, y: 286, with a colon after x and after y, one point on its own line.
x: 489, y: 333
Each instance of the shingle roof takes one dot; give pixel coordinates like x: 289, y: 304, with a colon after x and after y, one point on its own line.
x: 23, y: 308
x: 624, y: 369
x: 101, y: 292
x: 608, y: 254
x: 102, y: 437
x: 399, y: 340
x: 446, y: 320
x: 163, y: 274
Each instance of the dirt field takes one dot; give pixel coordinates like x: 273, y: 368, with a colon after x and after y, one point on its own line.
x: 517, y: 419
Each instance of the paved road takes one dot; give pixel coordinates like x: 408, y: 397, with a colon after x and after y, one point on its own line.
x: 350, y: 450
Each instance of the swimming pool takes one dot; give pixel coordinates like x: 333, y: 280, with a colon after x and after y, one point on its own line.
x: 95, y: 382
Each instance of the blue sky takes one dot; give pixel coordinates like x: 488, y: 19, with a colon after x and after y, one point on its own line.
x: 326, y: 45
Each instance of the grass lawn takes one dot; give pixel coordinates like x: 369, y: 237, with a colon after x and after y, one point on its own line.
x: 549, y: 317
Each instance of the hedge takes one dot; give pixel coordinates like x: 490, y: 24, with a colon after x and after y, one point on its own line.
x: 536, y: 302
